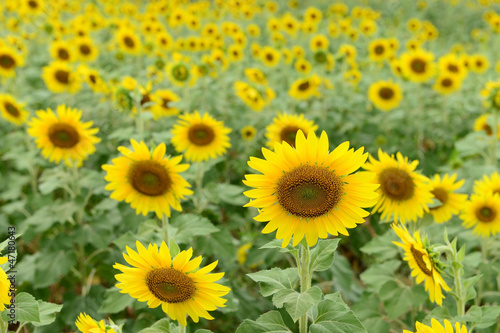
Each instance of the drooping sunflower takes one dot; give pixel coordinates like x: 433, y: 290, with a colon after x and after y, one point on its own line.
x: 63, y: 136
x: 303, y: 89
x: 60, y: 77
x: 4, y: 285
x: 178, y: 285
x: 162, y: 108
x: 149, y: 181
x: 482, y: 212
x: 488, y: 185
x: 446, y: 84
x: 86, y: 324
x: 438, y: 328
x: 451, y: 203
x: 404, y: 194
x: 285, y: 128
x: 482, y: 124
x: 418, y: 65
x: 200, y: 137
x: 386, y: 95
x: 9, y: 61
x: 309, y: 191
x: 128, y: 41
x: 255, y: 98
x: 422, y: 263
x: 11, y: 110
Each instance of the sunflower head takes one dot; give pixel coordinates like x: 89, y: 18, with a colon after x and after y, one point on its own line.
x: 482, y: 212
x: 437, y: 327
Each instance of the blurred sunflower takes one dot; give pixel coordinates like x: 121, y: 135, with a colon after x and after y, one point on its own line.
x: 31, y: 7
x: 422, y: 263
x: 418, y: 65
x: 303, y: 66
x: 269, y: 56
x: 63, y: 136
x: 60, y: 77
x: 248, y: 133
x: 303, y: 89
x: 404, y: 194
x: 62, y: 51
x: 86, y: 49
x: 482, y: 212
x: 488, y: 185
x: 162, y: 108
x: 178, y: 285
x: 285, y: 128
x: 199, y: 137
x: 452, y: 65
x: 438, y: 328
x: 254, y: 98
x: 319, y: 42
x: 386, y: 95
x: 149, y: 181
x: 128, y: 41
x: 451, y: 203
x: 4, y: 285
x: 307, y: 191
x: 478, y: 63
x: 179, y: 73
x: 482, y: 124
x: 378, y: 49
x: 256, y: 75
x: 86, y: 324
x: 11, y: 110
x: 9, y: 61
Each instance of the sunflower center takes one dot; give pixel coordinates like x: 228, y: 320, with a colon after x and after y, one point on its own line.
x: 304, y: 86
x: 487, y: 128
x: 129, y: 42
x: 33, y: 4
x: 145, y: 99
x: 63, y: 54
x: 446, y: 83
x: 11, y: 109
x: 149, y: 178
x: 62, y: 76
x: 6, y: 61
x: 419, y: 259
x: 441, y: 194
x: 397, y: 184
x: 288, y: 134
x: 453, y: 68
x: 180, y: 73
x: 85, y: 49
x: 63, y: 135
x: 92, y: 78
x: 485, y: 214
x: 309, y: 191
x: 379, y: 49
x: 386, y: 93
x: 165, y: 103
x: 418, y: 65
x: 269, y: 57
x: 201, y: 135
x: 170, y: 285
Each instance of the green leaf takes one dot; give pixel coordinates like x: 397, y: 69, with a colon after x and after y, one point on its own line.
x: 51, y: 266
x: 231, y: 194
x: 114, y: 301
x: 26, y: 309
x: 174, y: 248
x: 397, y: 300
x: 203, y: 331
x: 47, y: 313
x: 335, y: 316
x: 378, y: 274
x: 484, y: 316
x: 268, y: 322
x: 280, y: 296
x: 276, y: 244
x: 323, y: 254
x: 161, y: 326
x: 275, y: 279
x: 469, y: 286
x: 190, y: 225
x: 297, y: 304
x: 381, y: 247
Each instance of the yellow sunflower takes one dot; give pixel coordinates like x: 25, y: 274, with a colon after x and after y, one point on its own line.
x: 248, y: 133
x: 386, y: 95
x: 269, y: 56
x: 86, y: 324
x: 149, y: 181
x: 86, y: 49
x: 422, y: 263
x: 4, y: 286
x: 256, y: 75
x: 478, y: 63
x: 9, y: 61
x: 255, y: 98
x: 32, y: 7
x: 482, y: 212
x: 446, y: 84
x: 438, y: 328
x: 162, y: 108
x: 308, y: 191
x: 62, y: 51
x: 488, y: 185
x: 60, y: 77
x: 451, y: 203
x: 404, y: 194
x: 128, y: 41
x: 178, y: 285
x: 303, y: 89
x: 200, y: 137
x: 482, y: 124
x: 418, y: 65
x: 180, y: 74
x: 378, y: 49
x: 452, y: 65
x: 319, y: 42
x: 285, y: 128
x: 11, y: 110
x: 63, y: 136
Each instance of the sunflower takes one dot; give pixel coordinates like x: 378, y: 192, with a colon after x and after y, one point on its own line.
x: 269, y: 56
x: 446, y: 84
x: 93, y: 79
x: 386, y: 95
x: 63, y: 136
x: 32, y: 7
x: 482, y: 212
x: 235, y: 53
x: 404, y: 194
x: 256, y: 75
x: 86, y: 49
x: 60, y: 77
x: 200, y: 137
x: 418, y: 65
x: 162, y: 108
x: 11, y: 110
x: 60, y: 50
x: 478, y: 63
x: 9, y: 61
x: 313, y: 15
x: 248, y: 133
x: 452, y: 65
x: 438, y: 328
x: 128, y: 41
x: 285, y: 128
x: 423, y: 264
x: 443, y: 191
x: 488, y: 185
x: 254, y: 98
x: 482, y: 124
x: 353, y: 76
x: 378, y: 49
x: 303, y: 89
x: 86, y: 324
x: 179, y: 73
x: 149, y: 181
x: 178, y: 285
x: 164, y: 41
x: 319, y: 42
x: 307, y: 191
x: 4, y: 286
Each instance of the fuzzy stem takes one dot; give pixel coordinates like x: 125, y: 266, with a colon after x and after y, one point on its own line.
x: 182, y: 329
x: 305, y: 282
x: 459, y: 292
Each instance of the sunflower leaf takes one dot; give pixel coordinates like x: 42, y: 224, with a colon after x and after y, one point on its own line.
x: 161, y: 326
x: 47, y: 313
x: 323, y: 254
x: 268, y: 322
x: 190, y: 225
x: 334, y: 316
x: 275, y: 279
x: 297, y: 304
x: 26, y: 309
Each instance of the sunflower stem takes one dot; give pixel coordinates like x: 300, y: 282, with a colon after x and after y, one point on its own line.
x: 199, y: 182
x: 182, y: 329
x: 305, y: 282
x: 164, y: 228
x: 460, y: 296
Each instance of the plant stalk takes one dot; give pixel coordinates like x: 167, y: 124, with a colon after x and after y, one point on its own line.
x: 305, y: 282
x: 164, y: 228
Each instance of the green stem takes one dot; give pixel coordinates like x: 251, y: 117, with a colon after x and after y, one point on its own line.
x: 82, y: 261
x: 164, y: 228
x: 182, y: 329
x: 460, y: 298
x: 74, y: 170
x: 305, y: 282
x: 198, y: 183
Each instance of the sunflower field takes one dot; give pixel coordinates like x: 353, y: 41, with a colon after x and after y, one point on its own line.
x: 249, y: 166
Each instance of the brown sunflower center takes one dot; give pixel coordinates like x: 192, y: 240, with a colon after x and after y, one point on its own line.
x: 418, y: 65
x: 145, y: 99
x: 288, y: 134
x: 386, y: 93
x: 487, y: 128
x: 165, y: 102
x: 129, y: 42
x: 486, y: 214
x: 85, y: 49
x: 11, y: 109
x: 453, y: 68
x: 419, y: 259
x: 441, y: 194
x: 304, y: 86
x: 309, y: 191
x: 269, y: 57
x: 63, y: 135
x: 379, y: 49
x: 63, y: 54
x: 170, y: 285
x: 6, y: 61
x: 92, y: 78
x: 397, y: 184
x: 149, y: 178
x: 447, y: 83
x: 33, y: 4
x: 201, y: 134
x: 62, y: 76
